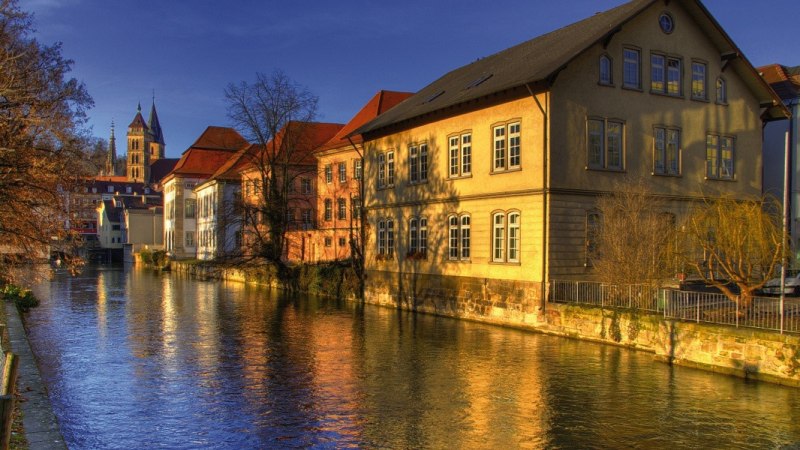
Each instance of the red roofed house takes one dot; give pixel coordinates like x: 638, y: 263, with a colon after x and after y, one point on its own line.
x: 199, y: 162
x: 219, y: 212
x: 340, y: 170
x: 291, y: 156
x: 786, y: 83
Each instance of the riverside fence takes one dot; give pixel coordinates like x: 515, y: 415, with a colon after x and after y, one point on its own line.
x: 767, y: 313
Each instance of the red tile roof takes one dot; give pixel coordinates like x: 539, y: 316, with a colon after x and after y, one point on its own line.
x: 211, y: 150
x: 784, y: 80
x: 232, y: 168
x: 219, y: 138
x: 308, y: 137
x: 377, y: 105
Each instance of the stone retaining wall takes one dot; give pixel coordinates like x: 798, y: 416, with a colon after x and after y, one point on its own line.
x: 742, y: 352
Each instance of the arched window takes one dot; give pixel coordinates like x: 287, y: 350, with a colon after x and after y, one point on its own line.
x: 459, y: 237
x: 513, y: 237
x: 722, y: 91
x: 606, y: 71
x: 498, y: 233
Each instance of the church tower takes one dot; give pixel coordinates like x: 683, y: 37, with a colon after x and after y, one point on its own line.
x: 111, y: 157
x: 139, y: 140
x: 157, y: 136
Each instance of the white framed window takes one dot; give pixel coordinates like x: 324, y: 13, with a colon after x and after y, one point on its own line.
x: 666, y: 151
x: 328, y: 173
x: 460, y: 154
x: 665, y: 75
x: 381, y: 170
x: 720, y: 153
x: 506, y: 140
x: 631, y: 68
x: 306, y: 215
x: 459, y: 237
x: 699, y: 80
x: 418, y: 163
x: 341, y: 209
x: 328, y: 209
x: 606, y: 71
x: 189, y: 239
x: 605, y: 143
x: 498, y: 237
x: 358, y: 169
x: 189, y: 207
x: 390, y: 238
x: 381, y: 238
x: 305, y: 185
x: 342, y: 172
x: 390, y: 168
x: 418, y: 237
x: 506, y: 236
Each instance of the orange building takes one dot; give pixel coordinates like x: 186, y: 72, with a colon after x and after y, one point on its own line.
x: 339, y: 181
x: 288, y: 160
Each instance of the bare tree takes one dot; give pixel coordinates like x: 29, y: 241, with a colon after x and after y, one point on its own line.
x: 42, y: 114
x: 633, y: 236
x: 273, y: 112
x: 735, y: 242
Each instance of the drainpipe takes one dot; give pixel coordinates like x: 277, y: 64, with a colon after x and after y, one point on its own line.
x: 545, y: 190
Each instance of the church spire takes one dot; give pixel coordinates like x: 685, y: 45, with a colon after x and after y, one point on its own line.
x: 154, y: 125
x: 111, y: 158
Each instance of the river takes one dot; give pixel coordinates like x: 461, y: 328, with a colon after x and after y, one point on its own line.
x: 137, y: 359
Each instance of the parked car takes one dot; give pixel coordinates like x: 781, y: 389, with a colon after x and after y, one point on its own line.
x: 792, y: 286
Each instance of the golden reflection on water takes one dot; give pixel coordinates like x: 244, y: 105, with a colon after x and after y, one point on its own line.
x: 251, y: 367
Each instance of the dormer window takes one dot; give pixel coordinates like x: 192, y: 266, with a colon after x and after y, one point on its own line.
x: 606, y: 71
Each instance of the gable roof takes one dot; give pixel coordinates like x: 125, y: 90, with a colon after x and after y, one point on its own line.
x: 784, y: 80
x: 219, y: 138
x: 210, y: 151
x: 161, y: 167
x: 377, y: 105
x: 535, y: 63
x: 230, y: 171
x: 310, y: 136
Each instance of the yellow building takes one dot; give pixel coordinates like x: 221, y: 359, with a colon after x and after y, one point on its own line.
x: 483, y: 184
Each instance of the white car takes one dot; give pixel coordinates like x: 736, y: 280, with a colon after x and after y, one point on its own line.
x: 792, y: 286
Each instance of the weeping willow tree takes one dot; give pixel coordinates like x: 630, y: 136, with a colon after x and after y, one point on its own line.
x: 633, y: 236
x: 735, y: 243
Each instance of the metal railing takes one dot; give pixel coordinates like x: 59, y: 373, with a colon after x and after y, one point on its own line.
x: 763, y: 312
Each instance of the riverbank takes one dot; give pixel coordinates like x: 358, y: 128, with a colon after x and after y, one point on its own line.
x: 741, y: 352
x: 39, y: 423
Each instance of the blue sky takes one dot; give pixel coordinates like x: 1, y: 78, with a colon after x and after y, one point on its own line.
x: 188, y: 51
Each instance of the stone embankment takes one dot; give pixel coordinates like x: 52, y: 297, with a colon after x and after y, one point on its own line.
x: 747, y: 353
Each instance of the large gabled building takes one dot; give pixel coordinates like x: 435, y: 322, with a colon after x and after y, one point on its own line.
x: 482, y: 186
x: 197, y: 163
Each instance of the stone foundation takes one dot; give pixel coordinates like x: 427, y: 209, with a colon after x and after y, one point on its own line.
x: 747, y: 353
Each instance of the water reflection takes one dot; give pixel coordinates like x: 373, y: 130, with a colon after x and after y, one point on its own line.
x: 135, y: 359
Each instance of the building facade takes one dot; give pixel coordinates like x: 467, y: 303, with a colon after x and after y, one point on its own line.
x: 197, y: 163
x: 340, y: 181
x: 484, y: 183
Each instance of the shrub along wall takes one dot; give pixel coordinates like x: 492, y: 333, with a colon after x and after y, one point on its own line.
x: 332, y: 280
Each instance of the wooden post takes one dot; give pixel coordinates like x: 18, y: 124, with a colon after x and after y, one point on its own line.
x: 7, y: 388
